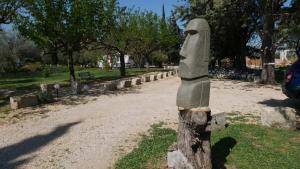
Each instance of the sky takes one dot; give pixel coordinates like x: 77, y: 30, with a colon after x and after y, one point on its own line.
x: 152, y: 5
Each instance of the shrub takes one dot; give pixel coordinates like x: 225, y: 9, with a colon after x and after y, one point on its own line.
x: 46, y: 71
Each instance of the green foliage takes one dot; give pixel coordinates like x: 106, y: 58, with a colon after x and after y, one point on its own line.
x: 46, y: 71
x: 15, y: 51
x: 67, y: 26
x: 8, y: 10
x: 159, y: 57
x: 139, y: 33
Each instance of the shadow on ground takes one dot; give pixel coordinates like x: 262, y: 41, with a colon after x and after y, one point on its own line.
x: 221, y: 150
x: 9, y: 155
x: 283, y: 106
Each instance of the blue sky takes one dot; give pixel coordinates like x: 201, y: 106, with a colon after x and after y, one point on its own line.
x: 152, y: 5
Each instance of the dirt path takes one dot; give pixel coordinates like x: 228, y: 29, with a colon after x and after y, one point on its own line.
x: 93, y: 135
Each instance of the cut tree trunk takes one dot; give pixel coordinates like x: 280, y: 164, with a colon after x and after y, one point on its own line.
x: 193, y: 146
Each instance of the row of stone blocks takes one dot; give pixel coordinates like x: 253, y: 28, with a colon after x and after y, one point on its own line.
x: 126, y: 83
x: 32, y: 100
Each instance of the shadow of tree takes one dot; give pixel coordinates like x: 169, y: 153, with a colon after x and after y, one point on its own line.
x: 221, y: 150
x: 9, y: 155
x: 292, y: 103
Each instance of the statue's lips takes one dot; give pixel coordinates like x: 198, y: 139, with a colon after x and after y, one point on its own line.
x: 186, y: 72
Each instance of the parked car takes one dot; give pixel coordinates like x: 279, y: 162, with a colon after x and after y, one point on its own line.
x: 291, y: 86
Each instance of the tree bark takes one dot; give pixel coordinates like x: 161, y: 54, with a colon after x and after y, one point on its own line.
x: 71, y: 68
x: 54, y: 58
x: 194, y: 137
x: 122, y: 65
x: 268, y: 72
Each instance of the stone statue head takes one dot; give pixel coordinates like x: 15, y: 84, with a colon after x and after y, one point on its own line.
x: 195, y: 50
x: 194, y: 90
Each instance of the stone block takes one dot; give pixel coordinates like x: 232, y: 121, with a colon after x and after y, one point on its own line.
x: 76, y: 88
x: 110, y: 86
x: 153, y: 77
x: 257, y: 79
x: 23, y: 101
x: 218, y: 121
x: 176, y: 159
x: 136, y: 81
x: 146, y: 78
x: 165, y: 74
x: 280, y: 117
x: 159, y: 76
x: 123, y: 84
x: 45, y: 88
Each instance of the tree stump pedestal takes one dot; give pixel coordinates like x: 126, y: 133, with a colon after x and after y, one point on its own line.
x: 193, y: 149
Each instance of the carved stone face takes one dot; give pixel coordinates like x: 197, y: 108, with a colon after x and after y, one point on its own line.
x: 195, y: 50
x: 193, y: 68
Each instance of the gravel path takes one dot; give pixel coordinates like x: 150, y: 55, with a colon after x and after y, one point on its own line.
x: 95, y: 134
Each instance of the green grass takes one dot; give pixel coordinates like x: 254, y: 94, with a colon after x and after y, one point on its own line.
x: 241, y: 146
x: 151, y: 149
x: 33, y: 80
x: 250, y: 146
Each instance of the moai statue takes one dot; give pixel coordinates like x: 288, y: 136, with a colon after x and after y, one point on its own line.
x: 193, y: 68
x: 193, y: 143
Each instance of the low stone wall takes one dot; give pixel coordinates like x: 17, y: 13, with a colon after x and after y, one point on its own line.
x: 32, y: 100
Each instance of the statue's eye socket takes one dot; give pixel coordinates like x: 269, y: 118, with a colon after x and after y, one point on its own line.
x: 191, y: 32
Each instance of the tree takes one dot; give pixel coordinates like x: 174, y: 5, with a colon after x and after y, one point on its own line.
x: 154, y: 34
x: 68, y: 26
x: 290, y: 25
x: 15, y: 51
x: 8, y: 10
x: 122, y: 34
x: 231, y: 27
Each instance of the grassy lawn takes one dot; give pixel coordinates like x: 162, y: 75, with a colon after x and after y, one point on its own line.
x: 241, y: 146
x: 33, y: 80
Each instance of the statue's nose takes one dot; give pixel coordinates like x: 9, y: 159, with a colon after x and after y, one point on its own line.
x: 184, y: 47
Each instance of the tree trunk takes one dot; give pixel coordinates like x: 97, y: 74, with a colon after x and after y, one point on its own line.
x: 193, y: 147
x: 71, y: 68
x: 122, y: 66
x: 268, y: 72
x: 54, y: 58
